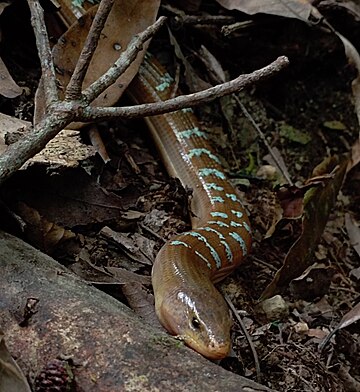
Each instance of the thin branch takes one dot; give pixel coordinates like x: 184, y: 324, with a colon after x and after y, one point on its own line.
x: 247, y: 336
x: 65, y: 112
x: 62, y: 113
x: 263, y: 138
x: 184, y: 101
x: 73, y: 90
x: 43, y: 46
x: 181, y: 18
x: 124, y: 61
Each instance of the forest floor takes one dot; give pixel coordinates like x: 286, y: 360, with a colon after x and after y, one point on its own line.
x: 306, y: 114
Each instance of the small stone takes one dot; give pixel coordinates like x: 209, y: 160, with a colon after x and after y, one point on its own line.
x: 274, y: 308
x: 301, y: 327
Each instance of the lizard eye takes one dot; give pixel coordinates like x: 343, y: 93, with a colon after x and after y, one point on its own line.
x: 195, y: 323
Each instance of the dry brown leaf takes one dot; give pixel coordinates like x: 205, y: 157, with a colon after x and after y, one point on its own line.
x: 3, y: 5
x: 353, y: 232
x: 300, y: 9
x: 12, y: 378
x: 349, y: 318
x: 354, y: 58
x: 289, y: 205
x: 98, y: 144
x: 193, y: 80
x: 105, y: 275
x: 8, y: 87
x: 131, y: 244
x: 355, y: 155
x: 142, y: 302
x: 126, y: 19
x: 318, y: 202
x: 43, y: 234
x: 316, y: 333
x: 125, y: 276
x: 313, y: 283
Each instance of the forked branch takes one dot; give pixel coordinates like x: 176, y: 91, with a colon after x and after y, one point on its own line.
x: 76, y: 107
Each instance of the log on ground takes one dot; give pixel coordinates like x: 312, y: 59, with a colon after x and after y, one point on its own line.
x: 112, y: 348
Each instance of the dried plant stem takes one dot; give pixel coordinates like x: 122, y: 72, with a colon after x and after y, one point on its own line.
x: 183, y: 101
x: 61, y: 113
x: 263, y: 138
x: 43, y: 46
x: 122, y: 64
x: 73, y: 89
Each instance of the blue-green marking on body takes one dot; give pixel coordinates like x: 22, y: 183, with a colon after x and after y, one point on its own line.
x: 199, y: 151
x: 238, y: 214
x: 229, y: 254
x: 209, y: 229
x: 232, y: 196
x: 218, y: 223
x: 219, y: 214
x: 217, y: 199
x: 235, y: 224
x: 188, y: 133
x: 213, y: 186
x: 203, y: 239
x: 206, y: 171
x: 166, y: 82
x: 247, y: 227
x: 203, y: 258
x: 240, y: 240
x: 182, y: 243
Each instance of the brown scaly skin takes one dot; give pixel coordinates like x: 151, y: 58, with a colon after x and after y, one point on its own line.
x: 186, y: 300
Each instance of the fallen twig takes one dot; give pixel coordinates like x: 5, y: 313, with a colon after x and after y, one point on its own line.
x: 76, y: 105
x: 43, y: 47
x: 184, y: 101
x: 278, y: 163
x: 247, y: 336
x: 73, y: 89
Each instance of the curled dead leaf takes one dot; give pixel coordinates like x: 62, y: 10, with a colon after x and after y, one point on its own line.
x: 8, y: 87
x: 289, y: 9
x: 318, y: 202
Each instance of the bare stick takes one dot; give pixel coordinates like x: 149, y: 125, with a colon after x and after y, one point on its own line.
x: 184, y: 101
x: 124, y: 61
x: 62, y: 113
x: 73, y: 90
x: 247, y: 336
x: 263, y: 138
x: 42, y: 43
x: 181, y: 18
x: 65, y: 112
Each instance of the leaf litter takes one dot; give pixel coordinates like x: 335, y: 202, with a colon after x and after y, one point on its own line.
x: 137, y: 211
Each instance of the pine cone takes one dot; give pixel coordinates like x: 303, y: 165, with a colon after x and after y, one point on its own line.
x: 56, y: 376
